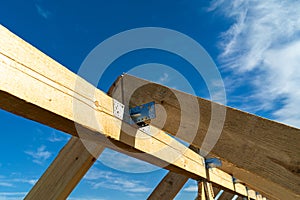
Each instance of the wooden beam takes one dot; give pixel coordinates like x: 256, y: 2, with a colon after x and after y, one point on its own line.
x: 205, y: 190
x: 251, y: 194
x: 259, y: 197
x: 209, y: 190
x: 34, y: 86
x: 65, y: 172
x: 168, y: 188
x: 240, y: 189
x: 201, y: 191
x: 263, y: 154
x: 223, y: 179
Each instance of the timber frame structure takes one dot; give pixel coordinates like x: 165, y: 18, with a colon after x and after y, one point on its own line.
x: 34, y: 86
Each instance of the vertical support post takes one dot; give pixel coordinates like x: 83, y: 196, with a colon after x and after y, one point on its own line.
x: 201, y: 192
x: 169, y: 187
x: 205, y: 190
x: 65, y: 172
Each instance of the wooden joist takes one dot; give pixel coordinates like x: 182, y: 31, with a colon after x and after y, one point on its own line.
x: 205, y: 190
x: 201, y: 191
x: 261, y: 153
x: 169, y: 186
x: 71, y: 164
x: 36, y: 87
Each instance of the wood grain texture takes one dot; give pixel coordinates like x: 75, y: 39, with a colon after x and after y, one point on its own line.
x: 169, y: 187
x: 261, y: 153
x: 36, y: 87
x: 201, y: 191
x: 65, y: 172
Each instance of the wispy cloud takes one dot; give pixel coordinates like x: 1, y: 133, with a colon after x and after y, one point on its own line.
x: 24, y: 180
x: 5, y: 184
x: 12, y: 195
x: 85, y: 197
x: 262, y: 48
x: 163, y: 79
x: 42, y: 11
x: 40, y: 155
x: 14, y: 180
x: 107, y: 179
x: 125, y: 163
x: 191, y: 188
x: 57, y: 137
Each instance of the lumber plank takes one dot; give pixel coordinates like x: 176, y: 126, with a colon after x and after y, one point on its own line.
x: 261, y: 153
x: 65, y: 172
x: 209, y: 190
x: 251, y: 194
x: 240, y: 189
x: 258, y: 197
x: 201, y: 191
x: 223, y: 179
x: 35, y: 86
x: 169, y: 187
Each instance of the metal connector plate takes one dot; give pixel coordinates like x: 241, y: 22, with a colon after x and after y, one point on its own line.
x: 118, y: 109
x: 141, y: 115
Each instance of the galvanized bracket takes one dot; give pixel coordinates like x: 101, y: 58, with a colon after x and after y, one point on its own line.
x: 142, y: 114
x: 139, y: 115
x: 145, y: 129
x: 212, y: 162
x: 235, y: 180
x: 118, y: 109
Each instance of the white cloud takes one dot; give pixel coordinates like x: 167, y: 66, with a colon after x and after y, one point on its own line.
x: 106, y: 179
x: 58, y: 137
x: 191, y: 188
x: 23, y: 180
x: 5, y: 184
x: 43, y: 12
x: 12, y: 195
x: 163, y: 79
x: 40, y: 155
x: 95, y: 173
x: 13, y: 182
x: 262, y: 48
x: 84, y: 198
x: 125, y: 163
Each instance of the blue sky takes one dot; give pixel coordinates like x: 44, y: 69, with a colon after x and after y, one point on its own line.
x: 255, y: 45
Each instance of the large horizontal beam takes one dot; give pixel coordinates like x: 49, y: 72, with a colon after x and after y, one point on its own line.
x: 36, y: 87
x: 65, y: 172
x: 263, y: 154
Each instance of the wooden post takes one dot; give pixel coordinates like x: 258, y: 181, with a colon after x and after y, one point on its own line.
x: 36, y: 87
x: 168, y: 188
x: 205, y: 191
x: 260, y: 152
x: 201, y: 191
x: 65, y: 172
